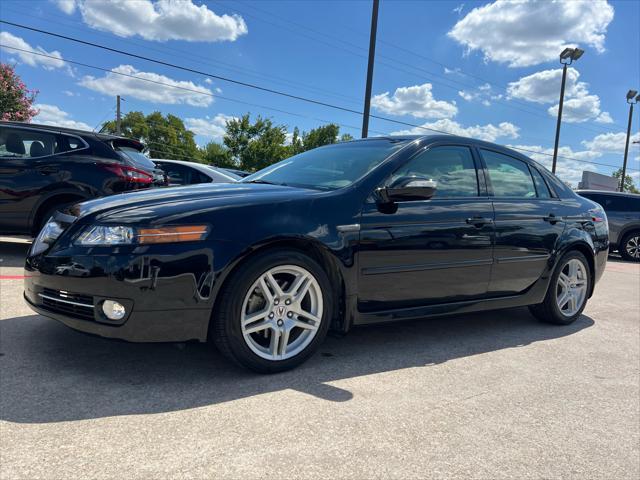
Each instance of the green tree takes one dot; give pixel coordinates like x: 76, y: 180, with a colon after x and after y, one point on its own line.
x: 629, y: 186
x: 255, y: 145
x: 346, y: 137
x: 320, y: 136
x: 165, y: 137
x: 16, y: 100
x: 217, y: 155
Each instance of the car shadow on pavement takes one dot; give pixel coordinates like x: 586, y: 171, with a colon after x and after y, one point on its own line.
x: 12, y: 254
x: 50, y: 373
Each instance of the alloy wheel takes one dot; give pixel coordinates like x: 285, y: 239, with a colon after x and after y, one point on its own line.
x: 281, y: 312
x: 571, y: 288
x: 633, y: 246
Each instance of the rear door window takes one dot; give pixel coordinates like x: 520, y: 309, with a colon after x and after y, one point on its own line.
x: 541, y: 186
x: 509, y: 176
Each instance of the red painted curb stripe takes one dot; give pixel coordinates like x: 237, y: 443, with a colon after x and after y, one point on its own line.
x: 12, y: 277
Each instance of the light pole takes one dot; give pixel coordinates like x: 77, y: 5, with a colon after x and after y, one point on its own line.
x: 372, y: 55
x: 567, y: 57
x: 631, y: 101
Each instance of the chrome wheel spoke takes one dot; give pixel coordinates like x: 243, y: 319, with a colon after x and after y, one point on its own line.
x: 278, y: 324
x: 571, y: 287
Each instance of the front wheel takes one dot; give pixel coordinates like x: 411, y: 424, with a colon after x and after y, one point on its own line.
x: 630, y: 247
x: 568, y: 291
x: 274, y: 312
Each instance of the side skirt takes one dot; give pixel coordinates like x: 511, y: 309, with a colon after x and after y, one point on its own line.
x: 534, y: 295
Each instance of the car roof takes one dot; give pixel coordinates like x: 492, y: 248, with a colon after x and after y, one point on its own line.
x: 201, y: 167
x: 70, y: 131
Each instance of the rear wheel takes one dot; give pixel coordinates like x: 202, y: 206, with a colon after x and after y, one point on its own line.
x: 274, y: 312
x: 568, y: 291
x: 630, y: 247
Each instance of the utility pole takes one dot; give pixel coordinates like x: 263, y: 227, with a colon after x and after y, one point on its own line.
x: 372, y: 54
x: 567, y: 57
x: 118, y: 117
x: 631, y: 102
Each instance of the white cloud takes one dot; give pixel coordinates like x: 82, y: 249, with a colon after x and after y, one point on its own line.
x: 416, y: 101
x: 544, y: 87
x: 209, y: 127
x: 114, y: 84
x: 483, y: 94
x: 488, y: 132
x: 33, y: 60
x: 530, y: 32
x: 67, y: 6
x: 161, y: 20
x: 610, y: 142
x: 581, y: 109
x: 568, y: 170
x: 208, y: 81
x: 69, y: 93
x: 52, y: 115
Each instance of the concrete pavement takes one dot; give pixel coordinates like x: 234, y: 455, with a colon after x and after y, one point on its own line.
x: 492, y: 395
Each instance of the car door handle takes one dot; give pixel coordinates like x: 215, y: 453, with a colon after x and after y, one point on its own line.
x: 479, y: 221
x: 47, y: 169
x: 551, y: 218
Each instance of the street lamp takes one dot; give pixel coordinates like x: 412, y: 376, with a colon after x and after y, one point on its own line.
x: 631, y: 101
x: 567, y: 57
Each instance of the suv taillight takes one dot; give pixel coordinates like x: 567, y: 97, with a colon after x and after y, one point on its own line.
x: 129, y: 174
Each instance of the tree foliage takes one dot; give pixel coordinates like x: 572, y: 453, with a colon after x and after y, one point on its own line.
x: 248, y: 145
x: 165, y: 137
x: 256, y: 145
x: 629, y: 186
x: 16, y: 100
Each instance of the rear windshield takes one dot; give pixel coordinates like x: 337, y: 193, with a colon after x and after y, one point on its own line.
x: 137, y: 157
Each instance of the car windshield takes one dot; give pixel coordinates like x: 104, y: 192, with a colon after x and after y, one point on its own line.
x: 330, y: 167
x: 137, y: 157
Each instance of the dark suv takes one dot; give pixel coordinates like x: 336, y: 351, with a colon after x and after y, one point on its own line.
x: 623, y: 212
x: 43, y: 168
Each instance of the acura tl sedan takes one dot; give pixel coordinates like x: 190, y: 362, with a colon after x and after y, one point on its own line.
x: 355, y: 233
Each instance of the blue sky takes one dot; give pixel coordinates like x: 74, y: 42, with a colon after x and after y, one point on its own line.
x: 482, y: 69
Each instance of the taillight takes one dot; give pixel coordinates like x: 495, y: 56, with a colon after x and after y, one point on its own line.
x: 129, y: 174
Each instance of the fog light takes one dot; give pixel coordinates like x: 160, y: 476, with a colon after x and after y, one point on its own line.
x: 113, y: 310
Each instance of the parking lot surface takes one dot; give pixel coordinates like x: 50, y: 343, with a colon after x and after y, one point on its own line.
x: 491, y: 395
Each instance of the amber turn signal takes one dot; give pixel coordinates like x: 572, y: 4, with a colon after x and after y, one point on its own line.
x: 188, y: 233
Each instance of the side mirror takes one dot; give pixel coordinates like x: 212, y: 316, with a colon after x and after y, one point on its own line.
x: 407, y: 189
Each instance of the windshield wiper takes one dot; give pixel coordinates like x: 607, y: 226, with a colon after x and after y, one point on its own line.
x: 265, y: 182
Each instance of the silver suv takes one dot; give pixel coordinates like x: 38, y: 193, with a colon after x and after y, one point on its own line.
x: 623, y: 213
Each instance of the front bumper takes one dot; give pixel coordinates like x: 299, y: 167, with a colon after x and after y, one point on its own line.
x: 167, y: 294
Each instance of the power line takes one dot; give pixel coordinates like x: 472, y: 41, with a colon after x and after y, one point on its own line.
x: 199, y: 58
x: 282, y: 111
x: 531, y: 109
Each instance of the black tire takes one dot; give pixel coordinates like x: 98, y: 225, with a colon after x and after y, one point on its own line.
x: 548, y: 311
x: 225, y: 329
x: 631, y: 241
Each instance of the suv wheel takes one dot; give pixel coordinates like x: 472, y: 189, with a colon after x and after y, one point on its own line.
x: 568, y: 291
x: 630, y: 247
x: 274, y: 312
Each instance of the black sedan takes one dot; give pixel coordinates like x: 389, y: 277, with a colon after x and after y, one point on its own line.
x: 355, y: 233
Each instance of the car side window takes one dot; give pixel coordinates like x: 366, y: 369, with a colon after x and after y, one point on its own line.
x: 18, y: 143
x: 451, y: 167
x: 178, y: 175
x: 541, y: 186
x: 509, y: 176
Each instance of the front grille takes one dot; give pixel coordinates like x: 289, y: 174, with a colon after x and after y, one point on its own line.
x: 67, y: 303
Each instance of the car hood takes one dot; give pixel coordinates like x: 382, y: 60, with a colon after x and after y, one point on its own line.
x: 172, y: 204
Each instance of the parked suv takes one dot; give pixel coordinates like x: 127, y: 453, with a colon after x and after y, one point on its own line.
x: 44, y: 168
x: 623, y: 212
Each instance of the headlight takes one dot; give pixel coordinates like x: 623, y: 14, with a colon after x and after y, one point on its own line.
x: 49, y: 233
x: 120, y: 235
x: 101, y: 235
